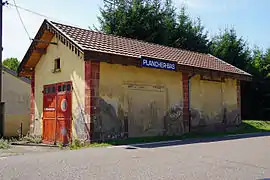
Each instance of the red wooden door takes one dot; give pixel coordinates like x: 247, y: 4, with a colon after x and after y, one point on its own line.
x: 57, y: 113
x: 63, y: 113
x: 49, y: 113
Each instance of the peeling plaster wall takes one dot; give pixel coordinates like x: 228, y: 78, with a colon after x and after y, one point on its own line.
x: 213, y: 104
x: 72, y: 69
x: 16, y: 95
x: 143, y: 101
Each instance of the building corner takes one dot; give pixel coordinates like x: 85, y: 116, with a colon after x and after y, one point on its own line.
x: 238, y: 87
x: 92, y: 75
x: 186, y: 113
x: 32, y: 104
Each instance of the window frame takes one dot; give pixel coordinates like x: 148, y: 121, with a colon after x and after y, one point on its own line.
x: 57, y: 64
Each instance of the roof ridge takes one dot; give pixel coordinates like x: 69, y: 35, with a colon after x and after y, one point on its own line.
x: 52, y: 23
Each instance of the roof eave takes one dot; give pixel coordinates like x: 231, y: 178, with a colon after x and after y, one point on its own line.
x: 32, y: 45
x: 115, y: 58
x: 46, y: 25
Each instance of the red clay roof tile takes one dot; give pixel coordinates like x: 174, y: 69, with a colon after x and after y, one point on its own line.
x: 97, y: 41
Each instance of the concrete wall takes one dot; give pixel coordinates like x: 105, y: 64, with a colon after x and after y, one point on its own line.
x: 213, y: 103
x: 72, y: 69
x: 150, y: 99
x: 16, y: 95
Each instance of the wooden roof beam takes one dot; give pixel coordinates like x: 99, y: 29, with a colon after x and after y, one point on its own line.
x: 41, y: 51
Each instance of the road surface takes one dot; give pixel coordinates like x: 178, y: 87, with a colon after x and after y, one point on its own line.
x: 245, y: 158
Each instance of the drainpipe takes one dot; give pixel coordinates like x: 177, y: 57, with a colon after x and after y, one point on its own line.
x: 189, y: 113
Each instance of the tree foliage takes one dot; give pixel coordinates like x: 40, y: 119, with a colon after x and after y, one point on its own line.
x: 155, y: 21
x: 190, y: 34
x: 228, y: 47
x: 11, y: 63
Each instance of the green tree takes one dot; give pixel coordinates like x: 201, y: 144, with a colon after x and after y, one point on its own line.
x: 266, y: 63
x: 190, y: 34
x: 228, y: 47
x: 153, y: 21
x: 137, y: 19
x: 11, y: 63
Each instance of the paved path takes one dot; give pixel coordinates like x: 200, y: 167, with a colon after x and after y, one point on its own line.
x: 247, y: 158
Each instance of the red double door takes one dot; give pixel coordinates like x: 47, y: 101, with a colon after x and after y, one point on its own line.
x: 57, y: 113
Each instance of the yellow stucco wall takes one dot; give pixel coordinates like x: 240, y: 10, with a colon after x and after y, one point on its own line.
x: 72, y: 69
x: 143, y: 95
x: 16, y: 95
x: 213, y: 102
x: 152, y: 101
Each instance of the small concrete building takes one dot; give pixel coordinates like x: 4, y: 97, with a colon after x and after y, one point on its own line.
x: 16, y: 103
x: 93, y: 86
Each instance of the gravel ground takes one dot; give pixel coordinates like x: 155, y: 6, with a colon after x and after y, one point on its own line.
x: 247, y: 158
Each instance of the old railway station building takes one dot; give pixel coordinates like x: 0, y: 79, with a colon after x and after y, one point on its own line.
x: 93, y: 86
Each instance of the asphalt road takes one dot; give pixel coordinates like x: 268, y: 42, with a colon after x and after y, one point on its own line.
x: 247, y: 158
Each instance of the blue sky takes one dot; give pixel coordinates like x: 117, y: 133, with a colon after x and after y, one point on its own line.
x: 250, y: 18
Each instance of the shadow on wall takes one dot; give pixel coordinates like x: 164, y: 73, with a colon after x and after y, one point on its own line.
x: 110, y: 123
x: 202, y: 122
x: 174, y: 122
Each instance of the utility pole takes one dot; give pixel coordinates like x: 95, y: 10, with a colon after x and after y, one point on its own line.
x: 1, y: 50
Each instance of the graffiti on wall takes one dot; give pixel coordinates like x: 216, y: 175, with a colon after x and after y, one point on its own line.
x: 110, y: 122
x: 173, y: 120
x: 228, y: 116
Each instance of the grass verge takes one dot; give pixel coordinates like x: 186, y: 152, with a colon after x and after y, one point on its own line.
x: 4, y: 144
x: 77, y: 144
x: 73, y: 147
x: 248, y: 126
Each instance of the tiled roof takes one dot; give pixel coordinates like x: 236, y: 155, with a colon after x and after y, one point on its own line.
x: 100, y: 42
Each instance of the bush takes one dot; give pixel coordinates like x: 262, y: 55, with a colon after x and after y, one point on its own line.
x: 4, y: 144
x: 76, y: 144
x: 32, y: 139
